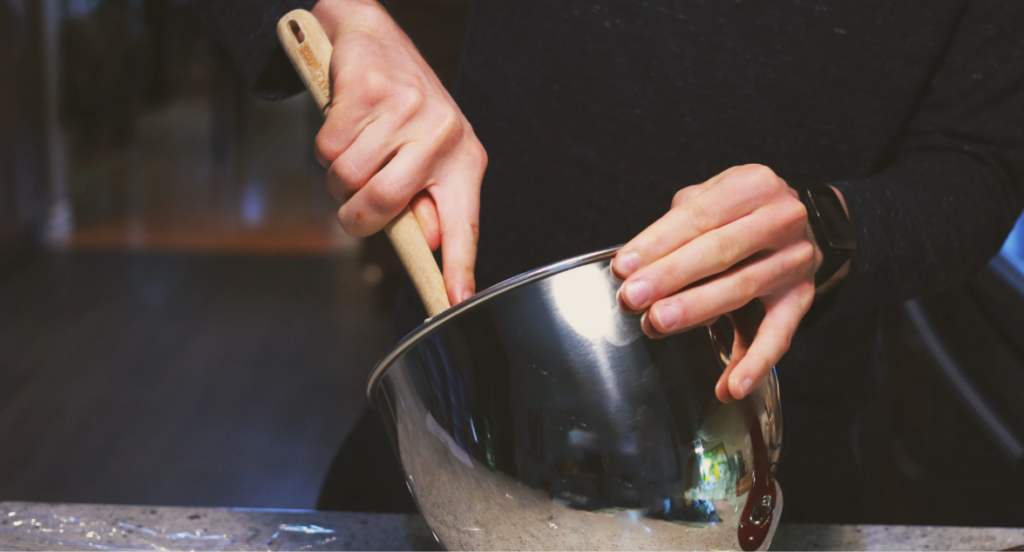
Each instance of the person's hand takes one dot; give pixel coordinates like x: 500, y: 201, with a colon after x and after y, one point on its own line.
x: 394, y: 137
x: 741, y: 236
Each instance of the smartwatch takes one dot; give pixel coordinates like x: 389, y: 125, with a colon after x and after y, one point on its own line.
x: 831, y: 227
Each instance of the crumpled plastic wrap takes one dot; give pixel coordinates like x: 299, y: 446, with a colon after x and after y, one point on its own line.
x: 50, y: 531
x: 300, y: 537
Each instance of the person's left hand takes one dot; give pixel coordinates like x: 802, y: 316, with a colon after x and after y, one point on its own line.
x: 741, y: 236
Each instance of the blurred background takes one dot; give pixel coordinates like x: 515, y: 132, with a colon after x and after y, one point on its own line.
x: 182, y: 322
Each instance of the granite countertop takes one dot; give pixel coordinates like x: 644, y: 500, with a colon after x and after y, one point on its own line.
x: 36, y: 526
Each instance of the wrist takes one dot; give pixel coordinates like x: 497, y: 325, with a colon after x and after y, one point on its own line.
x: 842, y: 200
x: 840, y: 275
x: 829, y: 221
x: 833, y: 282
x: 338, y: 17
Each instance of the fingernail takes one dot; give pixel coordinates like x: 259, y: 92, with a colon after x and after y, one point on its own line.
x: 627, y: 264
x: 745, y: 386
x: 722, y: 391
x: 466, y: 295
x: 638, y: 293
x: 668, y: 317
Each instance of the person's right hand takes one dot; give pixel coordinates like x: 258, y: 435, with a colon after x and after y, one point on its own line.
x: 394, y: 137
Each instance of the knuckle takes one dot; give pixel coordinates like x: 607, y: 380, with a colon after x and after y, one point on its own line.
x: 785, y: 341
x: 449, y: 129
x: 763, y: 177
x: 790, y: 217
x: 806, y: 297
x: 335, y: 185
x: 699, y: 216
x: 384, y: 194
x: 751, y: 170
x: 723, y: 253
x: 804, y: 254
x: 342, y: 176
x: 747, y: 285
x: 667, y: 279
x: 408, y: 100
x: 373, y: 86
x: 481, y: 157
x: 680, y: 197
x: 782, y: 187
x: 326, y: 146
x: 789, y: 192
x: 762, y: 173
x: 349, y: 56
x: 796, y: 212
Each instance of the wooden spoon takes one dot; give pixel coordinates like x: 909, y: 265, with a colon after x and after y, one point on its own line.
x: 309, y: 49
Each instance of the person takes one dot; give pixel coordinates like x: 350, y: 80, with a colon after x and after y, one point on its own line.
x: 684, y: 130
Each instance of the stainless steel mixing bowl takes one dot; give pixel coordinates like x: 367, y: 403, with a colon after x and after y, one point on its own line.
x: 537, y: 415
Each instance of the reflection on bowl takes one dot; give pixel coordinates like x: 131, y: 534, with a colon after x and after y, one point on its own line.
x: 538, y: 416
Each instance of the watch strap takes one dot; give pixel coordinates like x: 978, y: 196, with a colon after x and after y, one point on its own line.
x: 832, y: 235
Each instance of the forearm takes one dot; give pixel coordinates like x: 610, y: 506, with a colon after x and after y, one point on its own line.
x: 247, y: 30
x: 926, y: 224
x: 340, y: 16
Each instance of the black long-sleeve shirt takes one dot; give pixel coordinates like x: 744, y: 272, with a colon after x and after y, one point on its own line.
x: 595, y: 112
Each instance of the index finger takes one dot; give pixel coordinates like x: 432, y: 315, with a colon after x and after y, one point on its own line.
x: 774, y: 335
x: 725, y: 198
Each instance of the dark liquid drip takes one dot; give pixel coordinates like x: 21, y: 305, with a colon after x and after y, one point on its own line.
x: 752, y: 535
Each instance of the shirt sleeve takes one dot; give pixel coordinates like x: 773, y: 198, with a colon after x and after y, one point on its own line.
x: 248, y: 30
x: 955, y: 184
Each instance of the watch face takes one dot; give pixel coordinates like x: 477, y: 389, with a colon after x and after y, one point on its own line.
x: 834, y: 220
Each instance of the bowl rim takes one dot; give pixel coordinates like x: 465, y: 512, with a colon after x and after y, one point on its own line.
x: 430, y: 324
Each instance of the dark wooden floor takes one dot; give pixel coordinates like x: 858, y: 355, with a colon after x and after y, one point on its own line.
x: 180, y: 379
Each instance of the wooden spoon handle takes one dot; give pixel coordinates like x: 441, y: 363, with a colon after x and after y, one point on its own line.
x: 310, y: 51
